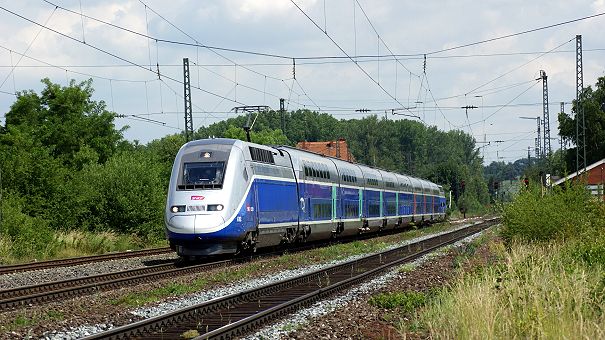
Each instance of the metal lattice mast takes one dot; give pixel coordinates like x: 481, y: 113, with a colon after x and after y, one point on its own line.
x: 187, y: 98
x: 563, y: 140
x: 539, y: 151
x: 580, y: 126
x: 546, y: 119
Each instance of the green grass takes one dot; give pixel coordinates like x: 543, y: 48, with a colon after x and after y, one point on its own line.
x: 25, y: 321
x: 405, y: 301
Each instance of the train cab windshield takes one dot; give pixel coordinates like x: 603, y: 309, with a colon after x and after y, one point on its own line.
x: 202, y: 175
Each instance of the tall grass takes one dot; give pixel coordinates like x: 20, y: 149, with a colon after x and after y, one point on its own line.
x: 535, y: 293
x: 551, y: 283
x: 63, y: 244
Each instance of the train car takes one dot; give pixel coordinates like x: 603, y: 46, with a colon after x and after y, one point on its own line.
x: 228, y: 196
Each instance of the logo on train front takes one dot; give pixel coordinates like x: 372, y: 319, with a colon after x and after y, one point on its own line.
x: 197, y: 198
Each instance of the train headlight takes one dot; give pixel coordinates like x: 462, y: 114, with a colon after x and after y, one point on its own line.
x: 177, y: 208
x: 215, y: 207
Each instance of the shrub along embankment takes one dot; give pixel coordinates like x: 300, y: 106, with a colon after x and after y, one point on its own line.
x: 550, y: 284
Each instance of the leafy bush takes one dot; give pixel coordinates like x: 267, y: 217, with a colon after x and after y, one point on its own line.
x: 561, y: 214
x: 23, y: 236
x: 590, y: 253
x: 406, y: 301
x: 124, y: 195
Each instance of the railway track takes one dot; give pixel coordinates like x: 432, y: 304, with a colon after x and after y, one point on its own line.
x: 80, y: 260
x: 238, y: 314
x: 59, y: 290
x: 76, y: 287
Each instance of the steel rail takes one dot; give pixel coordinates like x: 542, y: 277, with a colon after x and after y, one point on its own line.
x: 29, y: 295
x: 70, y: 288
x: 237, y: 314
x: 15, y: 268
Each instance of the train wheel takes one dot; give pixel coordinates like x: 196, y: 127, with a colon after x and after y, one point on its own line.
x: 248, y: 244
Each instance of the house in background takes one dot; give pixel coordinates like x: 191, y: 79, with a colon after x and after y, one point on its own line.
x: 593, y: 175
x: 334, y: 148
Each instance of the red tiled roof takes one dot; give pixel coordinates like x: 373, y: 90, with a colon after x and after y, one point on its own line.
x: 335, y: 148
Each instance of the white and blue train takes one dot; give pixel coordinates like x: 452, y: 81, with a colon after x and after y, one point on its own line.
x: 228, y: 196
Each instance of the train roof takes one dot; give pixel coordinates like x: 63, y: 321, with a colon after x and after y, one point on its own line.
x: 362, y: 166
x: 229, y: 141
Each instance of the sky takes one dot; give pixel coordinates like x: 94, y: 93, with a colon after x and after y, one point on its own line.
x: 333, y: 56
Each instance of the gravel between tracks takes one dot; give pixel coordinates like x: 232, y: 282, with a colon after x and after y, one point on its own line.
x: 87, y: 328
x: 14, y: 280
x: 302, y: 318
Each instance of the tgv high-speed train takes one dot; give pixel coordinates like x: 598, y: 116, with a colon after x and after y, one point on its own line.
x: 228, y: 196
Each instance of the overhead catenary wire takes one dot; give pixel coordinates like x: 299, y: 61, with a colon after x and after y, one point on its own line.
x: 387, y: 57
x: 441, y: 107
x: 204, y: 46
x: 505, y: 105
x: 107, y: 52
x: 380, y: 39
x: 519, y: 66
x: 306, y: 95
x: 28, y: 47
x: 345, y: 53
x: 235, y: 64
x: 289, y: 57
x: 519, y: 33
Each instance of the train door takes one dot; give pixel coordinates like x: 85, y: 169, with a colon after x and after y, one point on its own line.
x: 252, y: 209
x: 414, y: 204
x: 336, y: 216
x: 304, y: 202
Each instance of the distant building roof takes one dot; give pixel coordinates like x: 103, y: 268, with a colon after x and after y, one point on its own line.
x: 336, y: 148
x: 588, y: 170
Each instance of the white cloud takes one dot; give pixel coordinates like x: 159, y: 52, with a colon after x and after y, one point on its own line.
x: 276, y: 26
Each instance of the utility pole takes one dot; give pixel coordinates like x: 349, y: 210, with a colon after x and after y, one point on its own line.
x: 282, y: 109
x: 580, y: 126
x: 528, y: 156
x: 187, y: 100
x: 0, y: 197
x: 545, y: 118
x: 539, y: 152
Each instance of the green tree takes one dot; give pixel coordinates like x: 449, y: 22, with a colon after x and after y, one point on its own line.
x: 76, y: 129
x: 266, y: 136
x: 126, y: 194
x: 592, y: 103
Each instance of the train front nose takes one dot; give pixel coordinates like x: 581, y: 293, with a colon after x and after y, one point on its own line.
x: 195, y: 224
